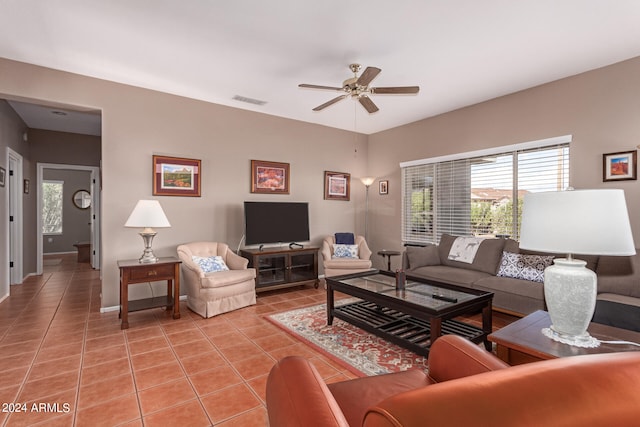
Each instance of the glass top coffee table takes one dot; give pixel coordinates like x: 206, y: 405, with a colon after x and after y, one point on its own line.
x: 414, y: 317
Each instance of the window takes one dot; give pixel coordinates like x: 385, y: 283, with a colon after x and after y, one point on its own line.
x: 52, y: 197
x: 479, y: 193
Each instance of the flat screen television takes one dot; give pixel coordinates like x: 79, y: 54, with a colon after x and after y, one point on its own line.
x: 276, y: 222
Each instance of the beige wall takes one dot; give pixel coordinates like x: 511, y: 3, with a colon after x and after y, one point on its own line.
x: 138, y: 123
x: 600, y: 108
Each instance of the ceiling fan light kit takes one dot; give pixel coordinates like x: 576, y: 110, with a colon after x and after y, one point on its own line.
x: 358, y: 88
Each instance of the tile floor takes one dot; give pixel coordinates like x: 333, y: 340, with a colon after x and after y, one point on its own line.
x: 79, y: 369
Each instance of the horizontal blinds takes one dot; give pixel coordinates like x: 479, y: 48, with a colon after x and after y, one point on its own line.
x: 417, y: 206
x: 481, y: 195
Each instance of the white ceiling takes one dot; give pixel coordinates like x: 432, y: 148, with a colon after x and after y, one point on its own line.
x: 460, y: 52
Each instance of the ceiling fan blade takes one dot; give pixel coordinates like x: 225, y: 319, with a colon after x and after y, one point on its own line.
x: 319, y: 87
x: 368, y: 104
x: 368, y: 75
x: 392, y: 90
x: 328, y: 103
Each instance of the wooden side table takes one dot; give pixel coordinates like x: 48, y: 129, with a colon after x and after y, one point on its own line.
x: 522, y: 342
x: 385, y: 253
x: 132, y: 271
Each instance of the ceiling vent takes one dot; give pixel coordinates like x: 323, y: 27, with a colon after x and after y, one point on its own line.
x: 249, y: 100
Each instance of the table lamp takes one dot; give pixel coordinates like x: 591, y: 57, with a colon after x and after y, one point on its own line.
x: 147, y: 214
x: 588, y: 222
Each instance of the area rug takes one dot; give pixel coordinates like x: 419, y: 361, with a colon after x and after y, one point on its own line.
x: 359, y: 351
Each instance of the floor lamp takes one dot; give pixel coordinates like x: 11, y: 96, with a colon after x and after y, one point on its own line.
x: 367, y: 181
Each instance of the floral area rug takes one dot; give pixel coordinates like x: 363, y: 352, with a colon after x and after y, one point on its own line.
x: 361, y: 352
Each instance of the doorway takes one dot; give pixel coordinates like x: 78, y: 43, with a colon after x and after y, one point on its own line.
x: 94, y: 206
x: 14, y: 211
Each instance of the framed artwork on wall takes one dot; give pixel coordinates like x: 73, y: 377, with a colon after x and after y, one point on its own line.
x: 269, y: 177
x: 383, y: 187
x: 619, y: 166
x: 176, y: 176
x: 337, y: 186
x: 3, y: 175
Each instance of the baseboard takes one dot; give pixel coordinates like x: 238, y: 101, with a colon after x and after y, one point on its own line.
x: 117, y: 307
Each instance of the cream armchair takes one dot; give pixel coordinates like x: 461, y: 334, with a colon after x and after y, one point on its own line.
x: 209, y: 294
x: 338, y: 266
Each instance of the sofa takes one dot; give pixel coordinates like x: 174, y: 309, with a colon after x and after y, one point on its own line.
x: 521, y: 292
x: 465, y: 386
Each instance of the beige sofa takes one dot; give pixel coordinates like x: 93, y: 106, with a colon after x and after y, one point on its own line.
x: 618, y: 302
x: 209, y: 294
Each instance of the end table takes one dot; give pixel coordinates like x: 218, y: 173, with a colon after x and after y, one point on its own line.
x: 385, y: 253
x: 132, y: 271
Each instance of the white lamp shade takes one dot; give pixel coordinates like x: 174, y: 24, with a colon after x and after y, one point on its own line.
x: 147, y: 214
x: 367, y: 180
x: 589, y: 222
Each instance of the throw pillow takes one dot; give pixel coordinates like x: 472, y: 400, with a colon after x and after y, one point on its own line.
x: 345, y: 239
x: 210, y: 264
x: 345, y: 251
x: 525, y: 267
x: 421, y: 256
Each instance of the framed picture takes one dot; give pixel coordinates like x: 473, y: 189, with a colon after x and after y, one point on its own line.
x: 175, y: 176
x: 269, y: 177
x: 3, y: 174
x: 619, y: 166
x: 26, y: 186
x: 383, y: 187
x: 337, y: 186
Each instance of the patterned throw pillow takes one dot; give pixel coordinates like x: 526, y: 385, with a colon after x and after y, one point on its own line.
x: 526, y: 267
x: 345, y: 251
x: 210, y: 264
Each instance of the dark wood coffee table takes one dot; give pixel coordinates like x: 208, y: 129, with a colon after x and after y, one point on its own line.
x: 412, y: 318
x: 522, y: 342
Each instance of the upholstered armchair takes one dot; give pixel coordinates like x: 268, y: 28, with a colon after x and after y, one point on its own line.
x: 338, y: 265
x: 214, y: 287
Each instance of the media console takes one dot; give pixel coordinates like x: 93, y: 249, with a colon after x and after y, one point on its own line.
x: 283, y: 267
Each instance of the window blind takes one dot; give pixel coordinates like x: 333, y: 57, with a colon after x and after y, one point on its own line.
x: 479, y: 195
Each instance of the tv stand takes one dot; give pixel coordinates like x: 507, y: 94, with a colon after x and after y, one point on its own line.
x: 283, y: 267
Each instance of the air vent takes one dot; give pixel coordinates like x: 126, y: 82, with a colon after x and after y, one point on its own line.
x: 249, y: 100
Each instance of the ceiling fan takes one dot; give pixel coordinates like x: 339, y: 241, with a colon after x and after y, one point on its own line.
x: 358, y: 87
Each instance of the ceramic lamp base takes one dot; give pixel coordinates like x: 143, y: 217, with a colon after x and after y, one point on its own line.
x: 570, y: 292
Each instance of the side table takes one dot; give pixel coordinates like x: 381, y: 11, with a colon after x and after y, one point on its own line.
x: 522, y: 342
x: 385, y: 253
x: 132, y: 271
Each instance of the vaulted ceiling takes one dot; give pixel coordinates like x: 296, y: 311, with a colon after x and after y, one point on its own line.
x: 460, y: 52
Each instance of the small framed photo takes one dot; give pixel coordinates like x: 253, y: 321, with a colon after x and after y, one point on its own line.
x: 383, y: 187
x: 176, y: 176
x: 620, y: 166
x: 337, y: 186
x: 26, y: 186
x: 3, y: 176
x: 269, y: 177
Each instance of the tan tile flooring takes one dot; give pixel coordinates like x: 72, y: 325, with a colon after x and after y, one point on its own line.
x: 56, y: 348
